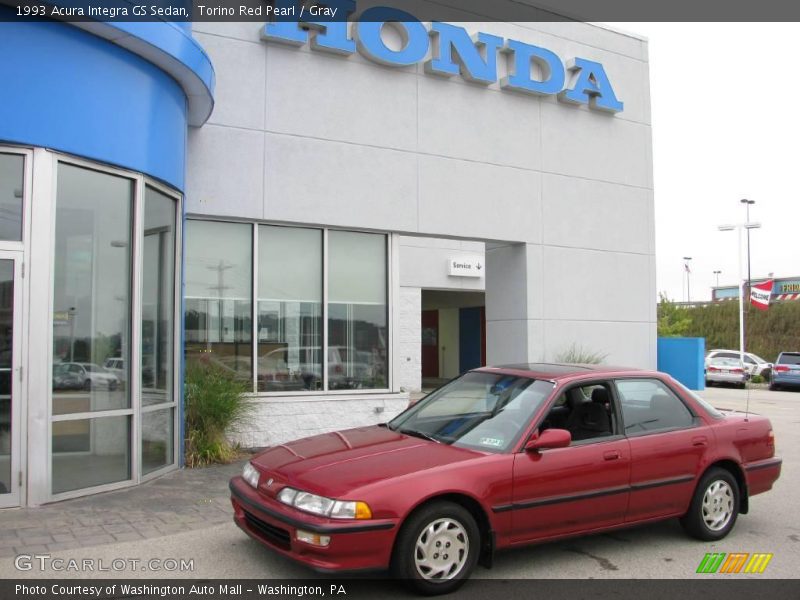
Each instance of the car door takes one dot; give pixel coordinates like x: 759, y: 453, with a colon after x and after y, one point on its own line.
x: 581, y: 487
x: 668, y: 444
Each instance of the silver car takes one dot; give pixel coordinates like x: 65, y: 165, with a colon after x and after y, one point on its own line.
x: 753, y: 364
x: 726, y: 370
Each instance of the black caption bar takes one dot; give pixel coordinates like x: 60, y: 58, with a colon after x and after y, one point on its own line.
x: 367, y: 589
x: 422, y: 10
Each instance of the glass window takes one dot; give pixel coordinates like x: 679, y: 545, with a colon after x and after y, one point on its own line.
x: 289, y: 309
x: 649, y: 405
x: 91, y: 290
x: 218, y: 298
x: 485, y: 411
x: 357, y: 311
x: 12, y: 177
x: 157, y: 439
x: 6, y: 369
x: 158, y: 297
x: 91, y: 452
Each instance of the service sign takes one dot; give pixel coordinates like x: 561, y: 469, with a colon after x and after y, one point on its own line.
x: 466, y: 266
x: 445, y: 50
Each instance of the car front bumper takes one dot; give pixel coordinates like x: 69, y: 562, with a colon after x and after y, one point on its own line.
x: 354, y: 545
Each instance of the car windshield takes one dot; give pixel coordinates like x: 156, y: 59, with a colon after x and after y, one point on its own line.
x: 789, y: 359
x: 482, y: 411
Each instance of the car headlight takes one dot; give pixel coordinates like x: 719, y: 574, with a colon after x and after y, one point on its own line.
x: 325, y: 507
x: 250, y: 474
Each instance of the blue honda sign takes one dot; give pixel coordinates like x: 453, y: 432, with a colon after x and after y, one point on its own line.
x: 449, y: 50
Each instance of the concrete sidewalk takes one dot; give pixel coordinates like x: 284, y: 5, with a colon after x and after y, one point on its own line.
x: 184, y: 500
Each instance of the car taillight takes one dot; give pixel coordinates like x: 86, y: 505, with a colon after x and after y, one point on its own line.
x: 713, y: 369
x: 771, y: 441
x: 736, y: 370
x: 781, y: 369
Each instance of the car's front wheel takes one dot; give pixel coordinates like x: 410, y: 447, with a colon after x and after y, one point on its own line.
x: 437, y: 548
x: 714, y: 508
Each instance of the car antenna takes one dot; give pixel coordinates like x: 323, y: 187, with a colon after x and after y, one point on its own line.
x: 748, y: 388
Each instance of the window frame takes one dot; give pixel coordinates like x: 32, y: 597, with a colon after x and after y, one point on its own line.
x: 616, y: 411
x: 696, y: 420
x: 136, y: 409
x: 391, y: 275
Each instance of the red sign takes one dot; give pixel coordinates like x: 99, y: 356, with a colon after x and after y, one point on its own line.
x: 760, y: 294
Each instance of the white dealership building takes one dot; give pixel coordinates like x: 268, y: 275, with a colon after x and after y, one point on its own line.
x: 333, y: 214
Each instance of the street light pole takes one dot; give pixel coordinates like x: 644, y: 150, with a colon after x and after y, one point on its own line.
x: 747, y: 204
x: 717, y: 273
x: 748, y: 226
x: 686, y: 260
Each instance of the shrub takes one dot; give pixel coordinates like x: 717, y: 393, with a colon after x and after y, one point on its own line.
x: 757, y: 379
x: 215, y: 406
x: 576, y: 354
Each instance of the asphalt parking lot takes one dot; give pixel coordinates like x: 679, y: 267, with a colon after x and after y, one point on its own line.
x: 655, y: 551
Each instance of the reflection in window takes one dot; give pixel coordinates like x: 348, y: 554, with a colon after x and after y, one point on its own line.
x: 289, y: 309
x: 357, y: 311
x: 91, y: 292
x: 90, y: 452
x: 218, y: 317
x: 158, y: 301
x: 6, y: 369
x: 91, y: 327
x: 158, y: 294
x: 157, y: 439
x: 11, y: 188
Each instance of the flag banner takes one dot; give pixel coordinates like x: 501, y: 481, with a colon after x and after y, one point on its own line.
x: 760, y: 294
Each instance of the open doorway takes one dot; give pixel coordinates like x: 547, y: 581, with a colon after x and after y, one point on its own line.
x: 453, y: 336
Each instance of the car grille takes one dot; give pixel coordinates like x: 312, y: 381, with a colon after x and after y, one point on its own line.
x: 276, y: 535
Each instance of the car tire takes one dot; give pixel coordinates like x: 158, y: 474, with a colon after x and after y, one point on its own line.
x: 420, y: 556
x: 774, y: 387
x: 87, y: 385
x: 714, y: 508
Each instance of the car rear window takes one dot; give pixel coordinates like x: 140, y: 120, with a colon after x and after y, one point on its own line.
x: 789, y: 358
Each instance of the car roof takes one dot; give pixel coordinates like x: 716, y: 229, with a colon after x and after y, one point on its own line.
x: 556, y: 371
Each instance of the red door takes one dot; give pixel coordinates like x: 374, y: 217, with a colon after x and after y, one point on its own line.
x: 430, y: 343
x: 669, y: 447
x: 566, y: 490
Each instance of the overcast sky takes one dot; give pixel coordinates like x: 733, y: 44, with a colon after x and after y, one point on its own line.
x: 726, y: 126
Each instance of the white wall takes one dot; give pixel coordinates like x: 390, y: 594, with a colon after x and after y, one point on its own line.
x: 313, y: 138
x: 409, y: 362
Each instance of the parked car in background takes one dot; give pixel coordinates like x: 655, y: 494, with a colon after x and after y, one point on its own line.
x: 753, y: 364
x: 786, y: 372
x: 92, y: 376
x: 726, y: 370
x: 502, y: 457
x: 117, y: 367
x: 64, y: 379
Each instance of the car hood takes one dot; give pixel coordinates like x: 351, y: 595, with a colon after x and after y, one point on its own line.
x: 334, y: 464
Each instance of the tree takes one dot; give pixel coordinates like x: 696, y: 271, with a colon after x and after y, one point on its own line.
x: 673, y: 320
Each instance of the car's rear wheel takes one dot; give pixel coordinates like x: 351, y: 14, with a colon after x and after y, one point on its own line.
x: 714, y: 508
x: 437, y: 548
x: 87, y: 385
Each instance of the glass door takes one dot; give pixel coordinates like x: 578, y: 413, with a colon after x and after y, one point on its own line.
x: 10, y: 291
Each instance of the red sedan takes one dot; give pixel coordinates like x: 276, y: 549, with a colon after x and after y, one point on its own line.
x: 503, y: 457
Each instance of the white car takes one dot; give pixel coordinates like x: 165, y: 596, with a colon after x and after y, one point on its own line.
x: 93, y: 376
x: 753, y: 364
x: 725, y: 370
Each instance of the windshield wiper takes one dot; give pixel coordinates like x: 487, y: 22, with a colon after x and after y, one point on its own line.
x: 419, y: 434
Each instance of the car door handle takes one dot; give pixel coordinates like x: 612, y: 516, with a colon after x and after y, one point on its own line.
x: 611, y: 455
x: 700, y: 440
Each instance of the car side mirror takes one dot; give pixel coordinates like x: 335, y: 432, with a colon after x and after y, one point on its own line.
x: 550, y: 438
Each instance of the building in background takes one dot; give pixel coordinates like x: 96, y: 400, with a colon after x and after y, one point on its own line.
x: 784, y: 289
x: 346, y: 224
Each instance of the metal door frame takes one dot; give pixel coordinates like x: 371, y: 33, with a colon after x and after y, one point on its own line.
x: 15, y: 498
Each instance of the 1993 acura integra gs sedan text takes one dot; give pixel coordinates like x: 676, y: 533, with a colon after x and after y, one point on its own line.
x: 502, y: 457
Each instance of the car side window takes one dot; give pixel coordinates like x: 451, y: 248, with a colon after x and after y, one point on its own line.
x: 648, y: 405
x: 749, y: 360
x: 585, y: 411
